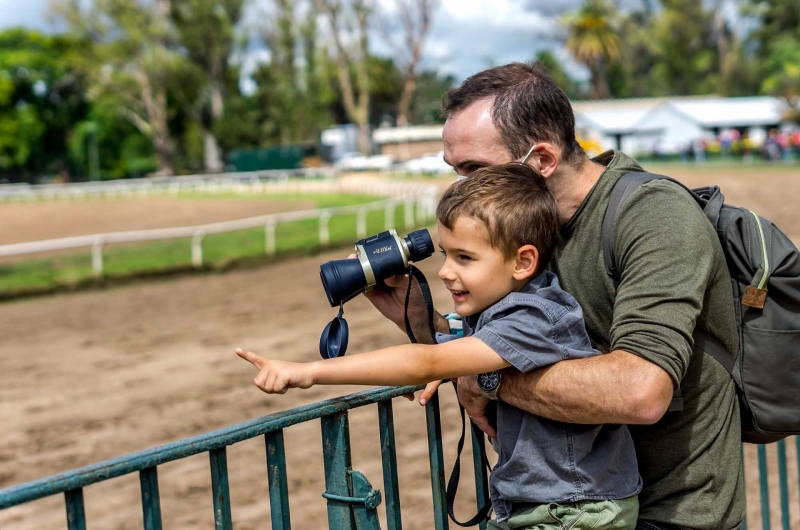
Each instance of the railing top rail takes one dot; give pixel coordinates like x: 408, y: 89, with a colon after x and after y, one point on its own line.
x: 85, y: 476
x: 246, y: 176
x: 49, y: 245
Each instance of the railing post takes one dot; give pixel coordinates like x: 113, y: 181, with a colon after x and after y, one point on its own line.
x: 388, y: 220
x: 324, y: 232
x: 76, y: 515
x: 269, y: 236
x: 437, y: 463
x: 336, y: 457
x: 389, y: 458
x: 151, y: 504
x: 783, y: 485
x: 97, y: 259
x: 197, y: 249
x: 361, y: 223
x: 764, y: 487
x: 408, y: 213
x: 278, y: 487
x: 220, y: 490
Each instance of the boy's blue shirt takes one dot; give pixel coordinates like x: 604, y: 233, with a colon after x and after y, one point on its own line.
x: 542, y: 460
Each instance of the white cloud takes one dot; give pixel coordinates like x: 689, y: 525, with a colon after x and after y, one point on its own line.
x: 27, y: 13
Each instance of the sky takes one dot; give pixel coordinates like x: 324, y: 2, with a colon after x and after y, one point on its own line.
x: 467, y: 35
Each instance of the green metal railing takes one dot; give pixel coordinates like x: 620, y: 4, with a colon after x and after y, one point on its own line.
x: 351, y: 499
x: 783, y: 484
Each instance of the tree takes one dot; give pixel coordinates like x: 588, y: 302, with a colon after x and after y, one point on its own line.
x: 349, y: 32
x: 206, y: 31
x: 414, y: 18
x: 685, y: 51
x: 594, y: 41
x: 131, y: 57
x: 560, y: 76
x: 783, y: 71
x: 41, y: 100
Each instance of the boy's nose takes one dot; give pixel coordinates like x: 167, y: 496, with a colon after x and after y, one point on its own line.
x: 445, y: 273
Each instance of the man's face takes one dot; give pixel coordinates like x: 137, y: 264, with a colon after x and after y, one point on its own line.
x: 471, y: 140
x: 476, y: 274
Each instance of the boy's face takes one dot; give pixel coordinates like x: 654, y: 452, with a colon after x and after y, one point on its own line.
x: 476, y: 274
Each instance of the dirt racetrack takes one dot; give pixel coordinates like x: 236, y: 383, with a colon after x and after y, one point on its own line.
x: 89, y: 376
x: 23, y: 222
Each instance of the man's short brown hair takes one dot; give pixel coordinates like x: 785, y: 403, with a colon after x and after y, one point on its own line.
x: 528, y: 107
x: 512, y: 201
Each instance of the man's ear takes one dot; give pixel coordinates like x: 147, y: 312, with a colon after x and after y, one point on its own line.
x: 546, y: 158
x: 527, y: 261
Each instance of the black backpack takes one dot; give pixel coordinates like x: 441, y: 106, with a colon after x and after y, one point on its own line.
x: 765, y: 274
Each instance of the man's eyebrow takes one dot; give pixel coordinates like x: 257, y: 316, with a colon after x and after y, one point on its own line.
x: 467, y: 163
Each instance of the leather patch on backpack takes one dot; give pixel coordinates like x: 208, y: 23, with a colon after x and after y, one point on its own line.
x: 754, y: 297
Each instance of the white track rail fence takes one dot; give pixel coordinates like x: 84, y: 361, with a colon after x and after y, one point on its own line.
x: 244, y: 182
x: 418, y: 201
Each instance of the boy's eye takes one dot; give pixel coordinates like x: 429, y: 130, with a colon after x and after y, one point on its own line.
x: 464, y: 257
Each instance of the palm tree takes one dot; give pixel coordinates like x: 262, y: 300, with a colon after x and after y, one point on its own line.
x: 594, y: 41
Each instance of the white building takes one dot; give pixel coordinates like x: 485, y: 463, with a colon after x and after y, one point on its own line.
x: 671, y: 125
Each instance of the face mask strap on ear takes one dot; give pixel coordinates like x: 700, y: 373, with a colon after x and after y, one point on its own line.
x: 529, y: 153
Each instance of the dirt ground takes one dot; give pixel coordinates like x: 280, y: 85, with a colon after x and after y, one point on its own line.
x: 90, y: 376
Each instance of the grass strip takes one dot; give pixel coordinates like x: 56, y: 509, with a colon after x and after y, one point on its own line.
x: 122, y: 263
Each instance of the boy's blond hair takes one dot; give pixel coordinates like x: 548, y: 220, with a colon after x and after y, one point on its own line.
x: 512, y: 201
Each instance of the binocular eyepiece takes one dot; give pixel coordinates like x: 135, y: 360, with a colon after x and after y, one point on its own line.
x: 379, y: 257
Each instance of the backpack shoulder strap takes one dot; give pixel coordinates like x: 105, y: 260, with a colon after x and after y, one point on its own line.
x: 626, y: 185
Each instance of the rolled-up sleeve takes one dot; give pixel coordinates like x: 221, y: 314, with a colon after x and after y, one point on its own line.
x: 666, y: 258
x: 524, y: 336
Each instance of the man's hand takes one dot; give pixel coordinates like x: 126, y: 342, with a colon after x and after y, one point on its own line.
x: 475, y: 403
x: 276, y: 377
x: 391, y: 299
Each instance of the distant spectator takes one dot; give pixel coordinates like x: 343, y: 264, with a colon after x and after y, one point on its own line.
x: 772, y: 149
x: 783, y: 143
x: 794, y: 140
x: 726, y: 141
x: 747, y: 147
x: 698, y: 147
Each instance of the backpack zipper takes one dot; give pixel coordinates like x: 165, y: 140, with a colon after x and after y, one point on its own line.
x: 764, y: 256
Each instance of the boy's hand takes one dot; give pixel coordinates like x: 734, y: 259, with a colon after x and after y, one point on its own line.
x: 276, y: 377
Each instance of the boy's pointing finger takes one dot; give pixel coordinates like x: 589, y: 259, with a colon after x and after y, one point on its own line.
x: 251, y: 357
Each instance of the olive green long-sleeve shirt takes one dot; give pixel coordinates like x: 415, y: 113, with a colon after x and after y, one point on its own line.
x: 673, y: 277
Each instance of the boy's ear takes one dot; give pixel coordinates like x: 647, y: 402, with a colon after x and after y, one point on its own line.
x: 527, y: 261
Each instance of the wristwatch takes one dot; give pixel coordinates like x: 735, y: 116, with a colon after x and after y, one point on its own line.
x: 489, y: 383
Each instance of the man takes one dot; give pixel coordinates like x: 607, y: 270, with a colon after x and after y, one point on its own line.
x: 673, y: 277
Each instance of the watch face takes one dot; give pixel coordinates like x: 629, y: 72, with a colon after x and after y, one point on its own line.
x: 489, y: 381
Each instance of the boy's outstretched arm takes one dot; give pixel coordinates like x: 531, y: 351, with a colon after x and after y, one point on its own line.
x: 409, y: 364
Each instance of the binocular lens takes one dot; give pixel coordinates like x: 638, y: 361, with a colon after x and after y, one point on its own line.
x: 342, y: 279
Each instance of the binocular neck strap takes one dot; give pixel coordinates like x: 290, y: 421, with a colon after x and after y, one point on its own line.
x: 452, y: 484
x: 414, y: 272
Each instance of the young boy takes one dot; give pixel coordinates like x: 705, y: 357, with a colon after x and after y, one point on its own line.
x: 497, y: 230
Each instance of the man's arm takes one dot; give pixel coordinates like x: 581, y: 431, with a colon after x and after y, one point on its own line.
x: 618, y: 387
